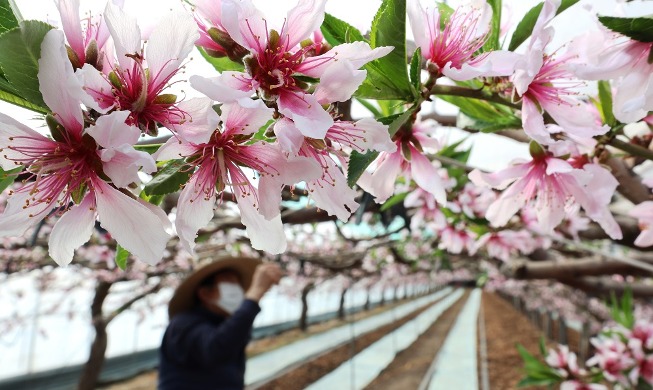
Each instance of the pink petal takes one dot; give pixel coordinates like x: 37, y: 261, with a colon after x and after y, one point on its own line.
x: 306, y: 17
x: 376, y: 135
x: 111, y: 130
x: 288, y: 135
x: 20, y: 135
x: 495, y: 63
x: 426, y: 176
x: 210, y: 10
x: 339, y: 82
x: 550, y: 207
x: 133, y: 225
x: 510, y: 201
x: 245, y: 24
x: 575, y: 119
x: 266, y: 235
x: 423, y: 22
x: 57, y: 83
x: 499, y: 180
x: 194, y: 211
x: 245, y: 120
x: 357, y: 53
x: 99, y: 94
x: 169, y: 45
x: 634, y: 97
x: 229, y: 87
x: 15, y: 219
x: 336, y: 198
x: 200, y: 121
x: 69, y: 12
x: 174, y: 149
x: 123, y: 163
x: 72, y: 230
x: 125, y: 32
x: 556, y: 165
x: 533, y: 122
x: 307, y: 113
x: 382, y: 184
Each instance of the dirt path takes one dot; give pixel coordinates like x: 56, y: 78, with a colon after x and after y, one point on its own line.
x: 313, y: 370
x: 410, y: 365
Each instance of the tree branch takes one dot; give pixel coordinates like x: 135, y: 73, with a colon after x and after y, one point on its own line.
x: 130, y: 302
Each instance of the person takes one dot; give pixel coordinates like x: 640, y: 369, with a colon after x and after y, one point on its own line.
x: 211, y: 316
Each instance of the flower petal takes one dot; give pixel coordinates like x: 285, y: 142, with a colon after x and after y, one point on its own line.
x: 111, y: 130
x: 288, y: 135
x: 245, y: 120
x: 170, y: 43
x: 245, y: 24
x: 426, y: 176
x: 307, y: 113
x: 72, y: 230
x: 125, y: 32
x: 99, y: 95
x: 58, y: 85
x: 174, y: 149
x: 492, y: 64
x: 533, y: 122
x: 336, y: 197
x: 501, y: 179
x: 123, y: 163
x: 200, y: 122
x: 69, y: 12
x: 357, y: 53
x: 267, y: 235
x: 382, y: 181
x: 194, y: 211
x: 17, y: 218
x: 133, y: 225
x: 339, y: 82
x: 17, y: 134
x: 229, y: 87
x: 304, y: 18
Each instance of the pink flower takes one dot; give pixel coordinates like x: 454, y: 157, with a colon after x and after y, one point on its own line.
x: 428, y: 213
x: 330, y: 191
x: 408, y: 158
x: 452, y: 51
x: 562, y: 358
x: 644, y: 214
x: 455, y: 240
x: 505, y: 244
x: 544, y: 82
x: 217, y: 156
x: 136, y: 82
x: 68, y: 171
x: 604, y: 55
x: 277, y: 60
x: 612, y: 357
x: 578, y: 385
x: 553, y: 184
x: 86, y: 38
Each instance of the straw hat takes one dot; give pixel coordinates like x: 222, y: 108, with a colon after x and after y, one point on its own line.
x: 184, y: 297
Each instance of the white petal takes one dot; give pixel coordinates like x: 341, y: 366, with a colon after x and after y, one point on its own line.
x: 307, y: 113
x: 15, y: 133
x: 98, y: 90
x: 289, y: 137
x: 194, y: 211
x: 426, y: 176
x: 58, y: 84
x: 306, y: 17
x: 133, y: 225
x: 227, y: 88
x: 339, y: 82
x: 245, y: 24
x: 72, y: 230
x: 15, y: 219
x: 111, y: 130
x: 170, y: 43
x: 174, y: 149
x: 125, y: 32
x: 123, y: 163
x: 200, y: 121
x: 245, y: 120
x: 69, y: 12
x: 267, y: 235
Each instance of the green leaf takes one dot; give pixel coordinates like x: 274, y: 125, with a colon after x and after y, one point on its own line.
x: 358, y: 163
x: 7, y: 18
x: 416, y: 69
x: 8, y: 177
x: 20, y: 102
x: 400, y: 120
x: 21, y: 50
x: 492, y: 42
x: 525, y: 27
x: 394, y: 199
x: 639, y: 29
x: 481, y: 115
x: 169, y: 179
x: 337, y: 32
x: 150, y: 148
x: 605, y: 96
x: 122, y: 255
x: 221, y: 64
x: 387, y: 77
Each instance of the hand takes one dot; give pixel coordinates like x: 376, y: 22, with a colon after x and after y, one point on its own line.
x: 265, y: 276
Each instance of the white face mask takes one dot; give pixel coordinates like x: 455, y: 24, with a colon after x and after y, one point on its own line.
x: 231, y: 296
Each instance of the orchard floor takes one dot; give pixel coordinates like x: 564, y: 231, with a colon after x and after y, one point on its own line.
x: 504, y: 328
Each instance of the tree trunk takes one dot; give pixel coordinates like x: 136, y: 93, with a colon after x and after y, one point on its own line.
x: 93, y: 367
x: 341, y: 308
x: 303, y: 319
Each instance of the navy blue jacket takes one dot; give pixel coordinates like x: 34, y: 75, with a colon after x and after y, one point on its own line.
x: 204, y: 350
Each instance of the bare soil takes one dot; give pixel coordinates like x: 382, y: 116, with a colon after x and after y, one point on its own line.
x: 411, y: 365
